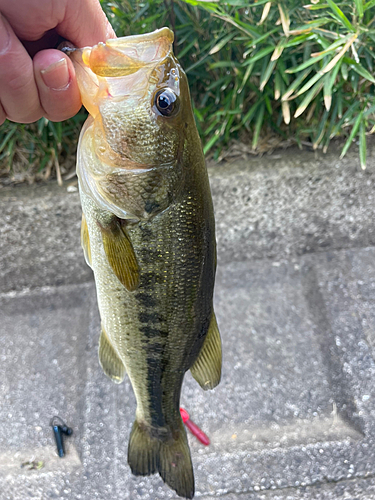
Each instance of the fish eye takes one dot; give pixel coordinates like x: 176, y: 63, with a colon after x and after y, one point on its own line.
x: 166, y: 102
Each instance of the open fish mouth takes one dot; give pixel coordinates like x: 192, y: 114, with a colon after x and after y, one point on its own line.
x: 124, y: 56
x: 119, y: 67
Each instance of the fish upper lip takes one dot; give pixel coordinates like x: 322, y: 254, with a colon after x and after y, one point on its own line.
x: 152, y: 37
x: 125, y: 55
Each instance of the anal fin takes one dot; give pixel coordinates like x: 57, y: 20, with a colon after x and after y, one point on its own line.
x: 85, y: 241
x: 112, y: 365
x: 120, y: 254
x: 207, y: 368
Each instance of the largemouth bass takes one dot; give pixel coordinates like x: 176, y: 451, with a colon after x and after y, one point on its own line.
x: 148, y: 234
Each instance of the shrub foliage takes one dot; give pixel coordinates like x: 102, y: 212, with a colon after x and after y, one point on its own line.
x: 302, y: 71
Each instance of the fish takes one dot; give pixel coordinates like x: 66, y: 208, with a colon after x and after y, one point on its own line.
x: 148, y: 233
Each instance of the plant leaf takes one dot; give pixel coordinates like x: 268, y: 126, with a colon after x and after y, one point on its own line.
x: 211, y: 142
x: 339, y: 15
x: 358, y: 68
x: 285, y: 21
x: 295, y: 84
x: 318, y: 56
x: 333, y: 46
x: 221, y: 44
x: 309, y: 97
x: 352, y: 135
x: 318, y: 6
x: 329, y: 81
x: 265, y: 12
x: 278, y: 84
x: 267, y: 74
x: 359, y: 6
x: 8, y: 137
x: 246, y: 120
x: 338, y: 56
x: 286, y: 112
x: 258, y: 126
x: 278, y: 50
x: 362, y: 145
x: 259, y: 55
x: 247, y: 74
x: 320, y: 132
x: 309, y: 84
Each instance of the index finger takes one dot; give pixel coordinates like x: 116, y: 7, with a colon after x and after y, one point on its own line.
x: 85, y: 25
x: 82, y: 22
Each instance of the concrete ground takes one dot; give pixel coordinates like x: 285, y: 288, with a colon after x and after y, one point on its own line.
x: 294, y: 415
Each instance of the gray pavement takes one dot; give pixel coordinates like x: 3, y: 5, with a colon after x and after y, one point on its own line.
x: 294, y: 415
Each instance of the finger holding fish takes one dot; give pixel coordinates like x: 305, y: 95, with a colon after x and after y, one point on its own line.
x: 57, y: 85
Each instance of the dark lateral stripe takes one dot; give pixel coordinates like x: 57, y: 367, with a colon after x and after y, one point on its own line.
x: 146, y: 300
x: 154, y: 348
x: 145, y: 317
x: 153, y: 378
x: 148, y: 280
x: 151, y: 332
x: 147, y: 252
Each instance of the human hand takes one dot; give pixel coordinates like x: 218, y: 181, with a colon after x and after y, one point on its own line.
x: 45, y: 85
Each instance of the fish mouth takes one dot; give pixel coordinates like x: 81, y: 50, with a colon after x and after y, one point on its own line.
x: 118, y: 67
x: 124, y: 56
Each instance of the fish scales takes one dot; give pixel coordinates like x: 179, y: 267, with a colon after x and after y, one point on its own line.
x: 148, y: 234
x: 170, y: 253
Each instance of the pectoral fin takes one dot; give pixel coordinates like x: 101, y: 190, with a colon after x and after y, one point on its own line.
x: 120, y: 254
x: 85, y: 241
x: 112, y: 365
x: 207, y: 368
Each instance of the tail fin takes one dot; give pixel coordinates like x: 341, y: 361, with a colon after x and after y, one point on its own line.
x: 143, y: 452
x: 175, y: 467
x: 171, y: 458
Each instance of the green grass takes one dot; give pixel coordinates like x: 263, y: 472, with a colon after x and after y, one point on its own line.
x: 302, y: 72
x: 30, y: 152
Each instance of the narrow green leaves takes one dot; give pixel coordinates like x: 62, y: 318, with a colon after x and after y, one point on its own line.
x: 359, y: 7
x: 352, y: 134
x: 309, y: 97
x: 339, y: 15
x: 358, y: 68
x: 301, y: 71
x: 362, y: 144
x: 369, y: 5
x: 8, y: 136
x: 267, y: 73
x: 297, y: 82
x: 258, y: 125
x: 221, y: 44
x: 329, y: 81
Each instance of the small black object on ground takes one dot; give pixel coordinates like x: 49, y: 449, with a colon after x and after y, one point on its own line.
x: 58, y: 431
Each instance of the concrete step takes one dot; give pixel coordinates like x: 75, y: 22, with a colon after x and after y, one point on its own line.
x: 294, y: 414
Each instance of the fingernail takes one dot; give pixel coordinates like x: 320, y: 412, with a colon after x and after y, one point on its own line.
x: 56, y: 75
